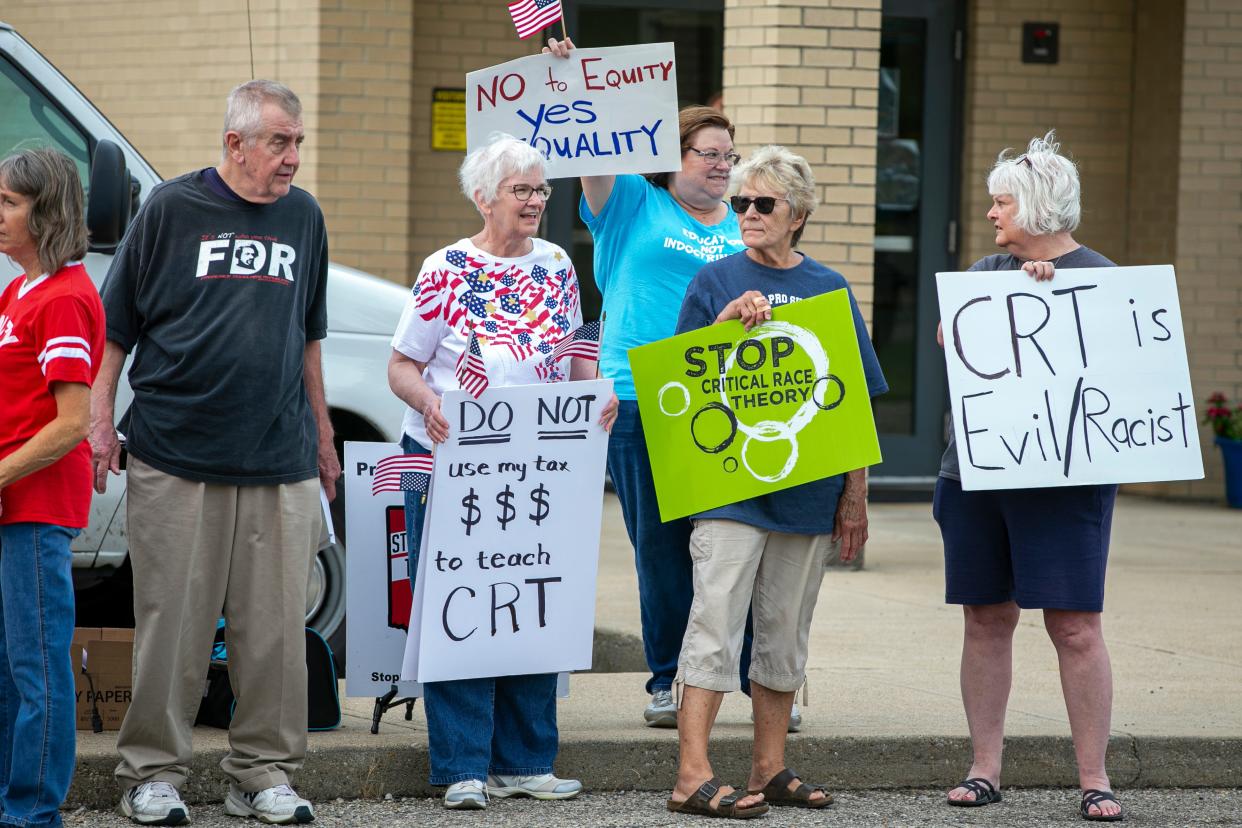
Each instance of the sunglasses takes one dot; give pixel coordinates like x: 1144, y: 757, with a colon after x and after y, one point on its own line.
x: 764, y: 205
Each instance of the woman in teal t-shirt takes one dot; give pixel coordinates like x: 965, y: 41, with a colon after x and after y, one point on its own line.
x: 652, y: 235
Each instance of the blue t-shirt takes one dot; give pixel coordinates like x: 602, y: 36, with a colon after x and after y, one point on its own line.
x: 647, y: 249
x: 811, y: 508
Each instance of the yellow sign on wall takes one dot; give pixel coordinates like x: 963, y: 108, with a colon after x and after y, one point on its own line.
x: 448, y: 120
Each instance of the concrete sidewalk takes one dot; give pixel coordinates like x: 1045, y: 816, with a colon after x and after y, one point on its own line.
x: 883, y: 680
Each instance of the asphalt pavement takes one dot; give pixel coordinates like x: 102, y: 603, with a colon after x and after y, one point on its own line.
x: 852, y: 809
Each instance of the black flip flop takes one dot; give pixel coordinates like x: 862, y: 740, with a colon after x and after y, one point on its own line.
x: 1094, y: 796
x: 985, y: 793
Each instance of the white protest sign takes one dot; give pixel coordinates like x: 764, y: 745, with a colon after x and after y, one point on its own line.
x: 377, y: 582
x: 506, y: 575
x: 1080, y: 380
x: 599, y: 112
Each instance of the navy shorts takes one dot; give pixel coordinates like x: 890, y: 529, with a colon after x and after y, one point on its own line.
x: 1042, y: 548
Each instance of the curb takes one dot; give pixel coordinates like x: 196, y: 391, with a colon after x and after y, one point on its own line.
x: 650, y: 764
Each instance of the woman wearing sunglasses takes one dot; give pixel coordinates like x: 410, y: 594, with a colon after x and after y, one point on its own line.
x: 765, y: 554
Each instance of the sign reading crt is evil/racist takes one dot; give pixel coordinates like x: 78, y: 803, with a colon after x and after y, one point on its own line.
x: 1080, y: 380
x: 599, y: 112
x: 730, y: 414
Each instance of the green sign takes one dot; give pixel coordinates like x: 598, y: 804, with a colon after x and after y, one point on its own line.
x: 730, y: 414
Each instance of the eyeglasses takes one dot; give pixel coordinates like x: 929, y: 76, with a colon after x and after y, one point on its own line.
x: 763, y: 204
x: 1022, y: 159
x: 523, y: 192
x: 713, y: 157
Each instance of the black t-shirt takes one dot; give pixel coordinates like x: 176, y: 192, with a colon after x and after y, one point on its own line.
x: 219, y: 297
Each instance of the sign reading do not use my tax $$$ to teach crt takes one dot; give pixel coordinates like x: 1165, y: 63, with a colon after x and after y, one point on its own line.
x: 1080, y: 380
x: 730, y: 414
x: 505, y: 583
x: 599, y: 112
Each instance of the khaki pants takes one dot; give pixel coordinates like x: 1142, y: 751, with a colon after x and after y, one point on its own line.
x: 197, y: 548
x: 739, y: 567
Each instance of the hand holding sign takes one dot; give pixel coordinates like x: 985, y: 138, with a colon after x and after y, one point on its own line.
x: 590, y: 112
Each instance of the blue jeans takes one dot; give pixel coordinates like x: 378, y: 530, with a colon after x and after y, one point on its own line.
x: 37, y: 729
x: 661, y: 553
x: 504, y: 725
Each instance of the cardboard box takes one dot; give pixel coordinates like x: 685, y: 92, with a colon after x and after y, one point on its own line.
x: 106, y: 683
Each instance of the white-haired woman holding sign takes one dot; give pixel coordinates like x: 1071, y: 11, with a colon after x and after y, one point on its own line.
x: 1045, y: 548
x: 513, y: 297
x: 767, y: 553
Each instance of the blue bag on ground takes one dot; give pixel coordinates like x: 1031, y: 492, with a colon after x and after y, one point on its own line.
x: 323, y: 709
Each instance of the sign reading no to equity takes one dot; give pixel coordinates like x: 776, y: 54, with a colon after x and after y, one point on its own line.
x: 1080, y: 380
x: 730, y: 414
x: 599, y: 112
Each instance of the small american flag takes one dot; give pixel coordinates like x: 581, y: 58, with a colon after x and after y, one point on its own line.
x: 402, y: 473
x: 584, y: 343
x: 471, y: 372
x: 530, y: 16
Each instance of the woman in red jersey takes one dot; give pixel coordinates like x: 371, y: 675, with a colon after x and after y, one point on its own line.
x: 51, y: 339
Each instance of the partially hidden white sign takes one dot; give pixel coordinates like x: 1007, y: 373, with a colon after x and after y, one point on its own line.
x: 599, y: 112
x: 377, y: 582
x: 1079, y: 380
x: 505, y: 583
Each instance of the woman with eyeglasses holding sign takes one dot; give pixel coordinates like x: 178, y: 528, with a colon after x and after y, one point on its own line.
x: 514, y: 297
x: 51, y: 339
x: 652, y: 234
x: 1045, y: 548
x: 766, y: 553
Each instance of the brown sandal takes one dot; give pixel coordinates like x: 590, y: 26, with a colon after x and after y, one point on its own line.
x: 700, y: 803
x: 777, y: 792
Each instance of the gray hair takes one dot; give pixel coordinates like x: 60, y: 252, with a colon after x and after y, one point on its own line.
x: 56, y: 222
x: 244, y: 113
x: 501, y: 157
x: 785, y: 172
x: 1043, y: 183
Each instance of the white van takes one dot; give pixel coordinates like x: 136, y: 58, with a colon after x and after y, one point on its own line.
x: 40, y: 107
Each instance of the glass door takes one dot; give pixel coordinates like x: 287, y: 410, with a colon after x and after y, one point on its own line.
x: 917, y: 176
x: 696, y: 28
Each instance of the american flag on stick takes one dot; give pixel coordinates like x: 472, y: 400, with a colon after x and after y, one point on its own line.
x: 531, y: 16
x: 471, y: 372
x: 402, y: 473
x: 583, y: 343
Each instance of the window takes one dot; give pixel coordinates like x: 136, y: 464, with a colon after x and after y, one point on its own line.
x: 31, y: 120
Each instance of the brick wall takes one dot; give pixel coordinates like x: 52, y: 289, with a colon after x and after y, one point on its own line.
x: 1086, y: 97
x: 804, y: 73
x: 163, y: 83
x: 1209, y: 213
x: 366, y: 81
x: 161, y: 70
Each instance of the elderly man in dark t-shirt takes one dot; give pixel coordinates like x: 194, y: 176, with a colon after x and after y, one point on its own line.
x: 219, y: 288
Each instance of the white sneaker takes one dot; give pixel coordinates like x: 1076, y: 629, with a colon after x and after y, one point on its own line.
x: 278, y: 805
x: 544, y: 786
x: 661, y: 712
x: 467, y: 795
x: 795, y: 719
x: 154, y: 803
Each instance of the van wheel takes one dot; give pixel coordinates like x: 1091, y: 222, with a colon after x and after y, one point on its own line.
x: 325, y: 599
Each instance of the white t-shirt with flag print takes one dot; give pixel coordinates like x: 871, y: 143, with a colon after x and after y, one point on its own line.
x: 519, y: 309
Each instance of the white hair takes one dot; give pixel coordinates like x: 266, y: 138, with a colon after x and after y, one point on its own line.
x: 501, y: 157
x: 1043, y: 183
x: 244, y: 112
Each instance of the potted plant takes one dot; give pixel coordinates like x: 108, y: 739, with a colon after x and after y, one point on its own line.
x: 1227, y: 425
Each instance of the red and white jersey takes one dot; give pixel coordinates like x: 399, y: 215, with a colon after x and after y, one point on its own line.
x: 51, y: 330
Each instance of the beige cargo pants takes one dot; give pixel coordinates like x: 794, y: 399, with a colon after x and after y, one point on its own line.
x: 198, y: 549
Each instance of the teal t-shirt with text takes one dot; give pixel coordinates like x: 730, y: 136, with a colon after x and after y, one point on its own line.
x: 647, y: 249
